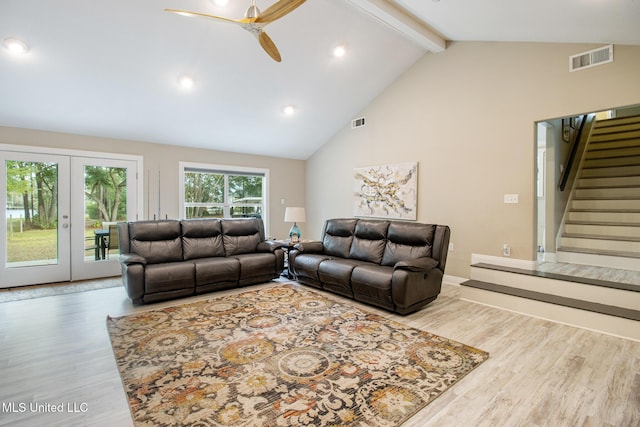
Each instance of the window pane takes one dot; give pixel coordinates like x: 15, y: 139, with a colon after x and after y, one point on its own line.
x: 204, y: 212
x: 245, y: 189
x: 216, y: 193
x: 202, y: 187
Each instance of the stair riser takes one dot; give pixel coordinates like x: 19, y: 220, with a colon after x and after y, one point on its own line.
x: 598, y: 294
x: 606, y: 204
x: 614, y: 152
x: 606, y: 172
x: 608, y: 193
x: 598, y: 260
x: 603, y: 230
x: 622, y: 139
x: 601, y: 244
x: 617, y: 121
x: 617, y: 125
x: 625, y: 328
x: 612, y: 162
x: 616, y: 217
x: 623, y: 181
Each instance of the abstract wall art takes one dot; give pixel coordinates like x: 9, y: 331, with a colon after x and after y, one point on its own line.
x: 386, y: 191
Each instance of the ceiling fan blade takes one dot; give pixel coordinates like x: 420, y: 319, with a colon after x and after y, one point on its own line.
x: 278, y: 10
x: 204, y: 15
x: 269, y: 46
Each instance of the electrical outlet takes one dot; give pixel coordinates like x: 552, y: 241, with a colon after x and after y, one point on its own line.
x: 506, y: 250
x: 451, y: 247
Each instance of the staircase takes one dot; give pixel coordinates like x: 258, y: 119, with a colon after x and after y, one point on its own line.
x: 602, y: 224
x: 601, y: 228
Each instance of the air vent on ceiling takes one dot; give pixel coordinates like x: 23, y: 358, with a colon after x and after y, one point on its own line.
x: 591, y: 58
x: 356, y: 123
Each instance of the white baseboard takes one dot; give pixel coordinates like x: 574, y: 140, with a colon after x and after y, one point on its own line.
x: 453, y: 280
x: 503, y: 261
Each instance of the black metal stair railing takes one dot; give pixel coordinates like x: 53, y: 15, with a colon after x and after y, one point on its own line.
x: 575, y: 143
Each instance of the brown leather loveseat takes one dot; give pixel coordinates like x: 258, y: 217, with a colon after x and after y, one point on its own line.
x: 394, y: 265
x: 170, y: 259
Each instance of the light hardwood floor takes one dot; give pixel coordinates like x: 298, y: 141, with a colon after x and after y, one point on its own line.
x: 56, y: 351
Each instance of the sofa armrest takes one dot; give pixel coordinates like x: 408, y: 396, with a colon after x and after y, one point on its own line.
x: 310, y: 247
x: 128, y: 259
x: 268, y: 246
x: 417, y: 264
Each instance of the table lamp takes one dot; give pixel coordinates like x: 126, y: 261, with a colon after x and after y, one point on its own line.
x: 294, y: 214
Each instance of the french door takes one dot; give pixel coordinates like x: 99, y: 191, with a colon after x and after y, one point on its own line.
x: 59, y: 215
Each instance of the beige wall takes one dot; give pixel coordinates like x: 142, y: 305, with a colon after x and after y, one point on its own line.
x: 467, y: 116
x: 287, y: 177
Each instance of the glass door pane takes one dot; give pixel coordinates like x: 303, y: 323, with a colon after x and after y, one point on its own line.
x: 35, y: 235
x: 105, y: 204
x: 32, y: 213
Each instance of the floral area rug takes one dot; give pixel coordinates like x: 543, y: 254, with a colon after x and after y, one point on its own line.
x: 280, y: 356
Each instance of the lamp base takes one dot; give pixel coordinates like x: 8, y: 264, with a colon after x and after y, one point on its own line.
x: 294, y: 233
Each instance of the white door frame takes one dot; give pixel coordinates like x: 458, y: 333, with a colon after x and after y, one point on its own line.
x: 75, y: 268
x: 55, y: 270
x: 83, y: 267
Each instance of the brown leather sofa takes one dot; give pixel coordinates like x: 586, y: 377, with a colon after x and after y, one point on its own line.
x: 395, y: 265
x: 170, y: 259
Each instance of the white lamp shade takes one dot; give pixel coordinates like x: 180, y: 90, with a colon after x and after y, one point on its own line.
x: 294, y: 215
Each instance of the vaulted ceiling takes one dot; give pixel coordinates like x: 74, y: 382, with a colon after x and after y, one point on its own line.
x: 111, y: 68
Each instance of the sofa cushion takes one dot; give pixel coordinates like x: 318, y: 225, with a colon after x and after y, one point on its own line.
x: 241, y: 236
x: 372, y: 284
x: 337, y: 237
x: 256, y: 264
x: 156, y: 241
x: 169, y: 277
x: 337, y: 271
x: 369, y: 241
x: 202, y: 238
x: 215, y: 270
x: 306, y: 265
x: 407, y: 241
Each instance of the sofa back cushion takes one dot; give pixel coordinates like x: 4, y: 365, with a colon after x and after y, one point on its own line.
x: 241, y: 236
x: 337, y: 236
x: 407, y: 241
x: 156, y: 241
x: 369, y: 239
x: 202, y: 238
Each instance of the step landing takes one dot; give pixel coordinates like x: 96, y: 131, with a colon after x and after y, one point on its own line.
x: 605, y: 306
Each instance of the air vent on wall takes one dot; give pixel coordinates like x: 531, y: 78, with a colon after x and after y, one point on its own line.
x: 591, y: 58
x: 356, y: 123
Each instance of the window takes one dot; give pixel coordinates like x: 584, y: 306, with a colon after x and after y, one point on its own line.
x: 211, y: 191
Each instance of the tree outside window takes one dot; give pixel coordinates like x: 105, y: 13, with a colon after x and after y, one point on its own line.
x: 222, y: 194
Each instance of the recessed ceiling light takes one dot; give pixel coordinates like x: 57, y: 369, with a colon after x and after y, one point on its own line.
x: 289, y: 110
x: 221, y: 3
x: 15, y: 45
x: 339, y: 51
x: 186, y: 82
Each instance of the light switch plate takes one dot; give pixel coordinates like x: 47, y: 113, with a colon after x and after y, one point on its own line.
x: 511, y: 198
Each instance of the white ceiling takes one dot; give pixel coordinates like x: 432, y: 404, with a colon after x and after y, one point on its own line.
x: 110, y: 68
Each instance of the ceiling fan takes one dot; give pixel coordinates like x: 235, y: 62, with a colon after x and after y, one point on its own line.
x: 254, y: 21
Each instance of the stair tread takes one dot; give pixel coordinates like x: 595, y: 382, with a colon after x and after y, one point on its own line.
x: 621, y: 254
x: 604, y: 223
x: 600, y: 237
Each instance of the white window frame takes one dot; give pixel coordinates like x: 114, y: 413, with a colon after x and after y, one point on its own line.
x: 226, y: 169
